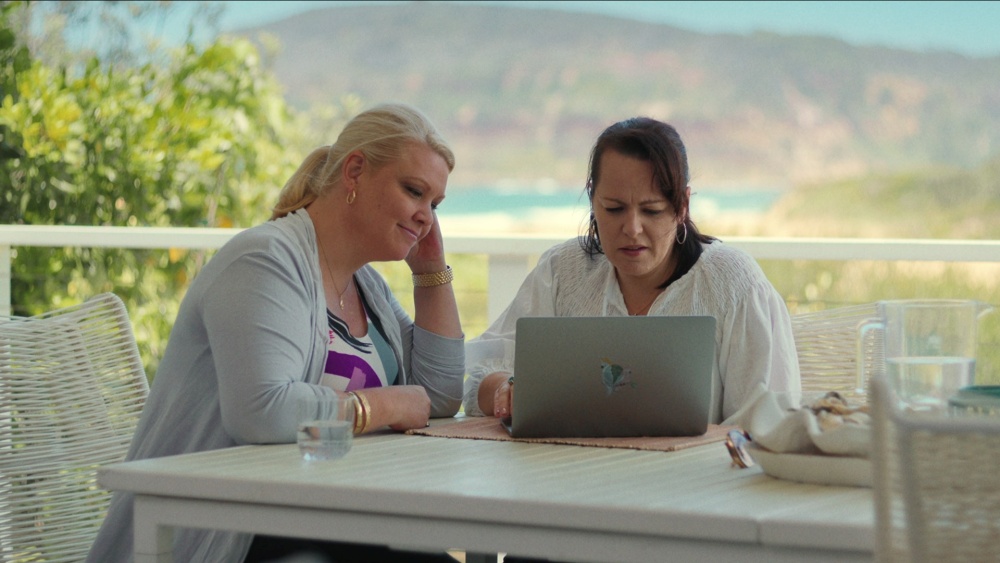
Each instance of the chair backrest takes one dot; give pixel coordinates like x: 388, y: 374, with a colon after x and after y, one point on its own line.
x: 72, y: 386
x: 827, y: 343
x: 937, y: 494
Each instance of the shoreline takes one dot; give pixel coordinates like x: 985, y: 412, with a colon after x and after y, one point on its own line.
x: 571, y: 222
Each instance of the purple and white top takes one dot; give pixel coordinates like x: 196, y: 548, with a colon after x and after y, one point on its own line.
x: 357, y: 362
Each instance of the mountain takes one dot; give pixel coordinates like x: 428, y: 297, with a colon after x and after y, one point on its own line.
x: 521, y: 94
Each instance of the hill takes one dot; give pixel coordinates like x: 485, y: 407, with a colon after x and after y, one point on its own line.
x: 522, y: 93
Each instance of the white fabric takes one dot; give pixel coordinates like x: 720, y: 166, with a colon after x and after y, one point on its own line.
x: 754, y: 344
x: 780, y: 424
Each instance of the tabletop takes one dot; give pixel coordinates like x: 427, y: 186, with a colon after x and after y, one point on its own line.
x: 560, y: 501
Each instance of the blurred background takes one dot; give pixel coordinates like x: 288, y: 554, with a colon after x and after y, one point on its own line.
x: 802, y: 119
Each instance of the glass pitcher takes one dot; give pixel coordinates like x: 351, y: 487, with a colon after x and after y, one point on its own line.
x: 928, y: 348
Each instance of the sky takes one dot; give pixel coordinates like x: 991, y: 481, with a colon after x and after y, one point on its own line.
x: 968, y: 28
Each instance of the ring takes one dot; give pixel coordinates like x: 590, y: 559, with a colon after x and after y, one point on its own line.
x: 736, y: 443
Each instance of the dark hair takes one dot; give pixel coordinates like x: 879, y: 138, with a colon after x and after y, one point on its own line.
x: 659, y: 144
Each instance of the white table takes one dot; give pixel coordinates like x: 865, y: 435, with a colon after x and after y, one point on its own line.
x: 567, y: 503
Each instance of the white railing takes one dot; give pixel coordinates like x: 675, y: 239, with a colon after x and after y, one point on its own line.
x: 509, y: 256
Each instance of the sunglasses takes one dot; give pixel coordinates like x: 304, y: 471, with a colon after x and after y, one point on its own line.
x: 736, y: 443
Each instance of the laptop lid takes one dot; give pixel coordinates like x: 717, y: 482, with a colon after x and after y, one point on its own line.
x: 612, y: 376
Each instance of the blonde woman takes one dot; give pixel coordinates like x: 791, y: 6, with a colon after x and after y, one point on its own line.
x: 291, y: 308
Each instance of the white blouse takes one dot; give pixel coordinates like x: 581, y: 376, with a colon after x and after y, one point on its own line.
x: 754, y: 344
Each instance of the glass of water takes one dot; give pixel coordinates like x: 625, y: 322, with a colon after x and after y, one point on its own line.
x: 325, y: 426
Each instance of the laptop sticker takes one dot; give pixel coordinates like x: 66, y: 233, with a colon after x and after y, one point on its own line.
x: 614, y: 376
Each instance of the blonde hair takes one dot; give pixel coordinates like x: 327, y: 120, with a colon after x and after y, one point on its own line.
x: 380, y: 133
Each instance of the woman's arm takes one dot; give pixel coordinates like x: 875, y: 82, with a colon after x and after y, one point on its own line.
x: 496, y: 395
x: 259, y: 318
x: 759, y: 349
x: 435, y: 308
x: 433, y: 342
x: 490, y: 357
x: 400, y: 407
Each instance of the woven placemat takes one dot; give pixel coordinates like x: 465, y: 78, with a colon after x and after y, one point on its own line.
x: 489, y: 428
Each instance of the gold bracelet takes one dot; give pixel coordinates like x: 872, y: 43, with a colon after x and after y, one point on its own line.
x: 436, y: 278
x: 358, y: 413
x: 366, y: 413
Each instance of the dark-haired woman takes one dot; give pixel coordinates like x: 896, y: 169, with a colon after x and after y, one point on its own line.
x: 643, y: 255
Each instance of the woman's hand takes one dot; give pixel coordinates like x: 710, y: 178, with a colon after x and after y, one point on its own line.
x: 400, y: 407
x: 496, y: 395
x: 427, y: 256
x: 435, y: 307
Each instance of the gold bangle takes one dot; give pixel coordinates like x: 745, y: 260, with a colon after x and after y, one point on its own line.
x: 358, y: 414
x: 436, y: 278
x: 366, y: 413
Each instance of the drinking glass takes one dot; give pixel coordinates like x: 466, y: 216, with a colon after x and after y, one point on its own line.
x: 325, y: 426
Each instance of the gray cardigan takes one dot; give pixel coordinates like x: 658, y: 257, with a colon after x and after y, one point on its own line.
x: 249, y: 339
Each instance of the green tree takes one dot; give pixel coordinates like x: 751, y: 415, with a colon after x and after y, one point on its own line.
x: 204, y: 139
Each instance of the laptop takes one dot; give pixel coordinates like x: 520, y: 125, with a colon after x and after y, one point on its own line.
x: 612, y: 376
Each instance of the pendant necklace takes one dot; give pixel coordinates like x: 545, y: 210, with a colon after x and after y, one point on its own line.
x: 329, y: 270
x: 646, y: 308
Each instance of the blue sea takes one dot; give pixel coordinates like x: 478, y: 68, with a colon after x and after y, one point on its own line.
x: 516, y: 205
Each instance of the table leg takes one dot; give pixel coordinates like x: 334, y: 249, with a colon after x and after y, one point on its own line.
x: 153, y: 541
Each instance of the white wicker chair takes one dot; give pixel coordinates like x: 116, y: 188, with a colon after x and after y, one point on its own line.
x: 71, y: 389
x: 827, y: 345
x: 937, y: 495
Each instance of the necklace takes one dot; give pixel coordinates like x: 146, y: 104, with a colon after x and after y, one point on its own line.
x: 340, y: 300
x: 646, y: 308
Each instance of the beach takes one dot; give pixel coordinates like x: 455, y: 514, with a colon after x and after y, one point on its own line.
x: 564, y: 211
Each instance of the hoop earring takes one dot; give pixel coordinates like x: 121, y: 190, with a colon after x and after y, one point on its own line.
x: 351, y: 196
x: 683, y: 239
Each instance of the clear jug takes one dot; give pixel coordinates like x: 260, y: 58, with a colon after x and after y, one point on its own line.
x: 929, y: 348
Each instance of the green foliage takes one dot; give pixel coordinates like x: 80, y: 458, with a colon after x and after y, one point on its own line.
x: 15, y: 59
x: 204, y: 140
x: 191, y: 145
x: 932, y: 202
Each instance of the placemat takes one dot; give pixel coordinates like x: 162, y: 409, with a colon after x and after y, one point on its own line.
x: 488, y: 428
